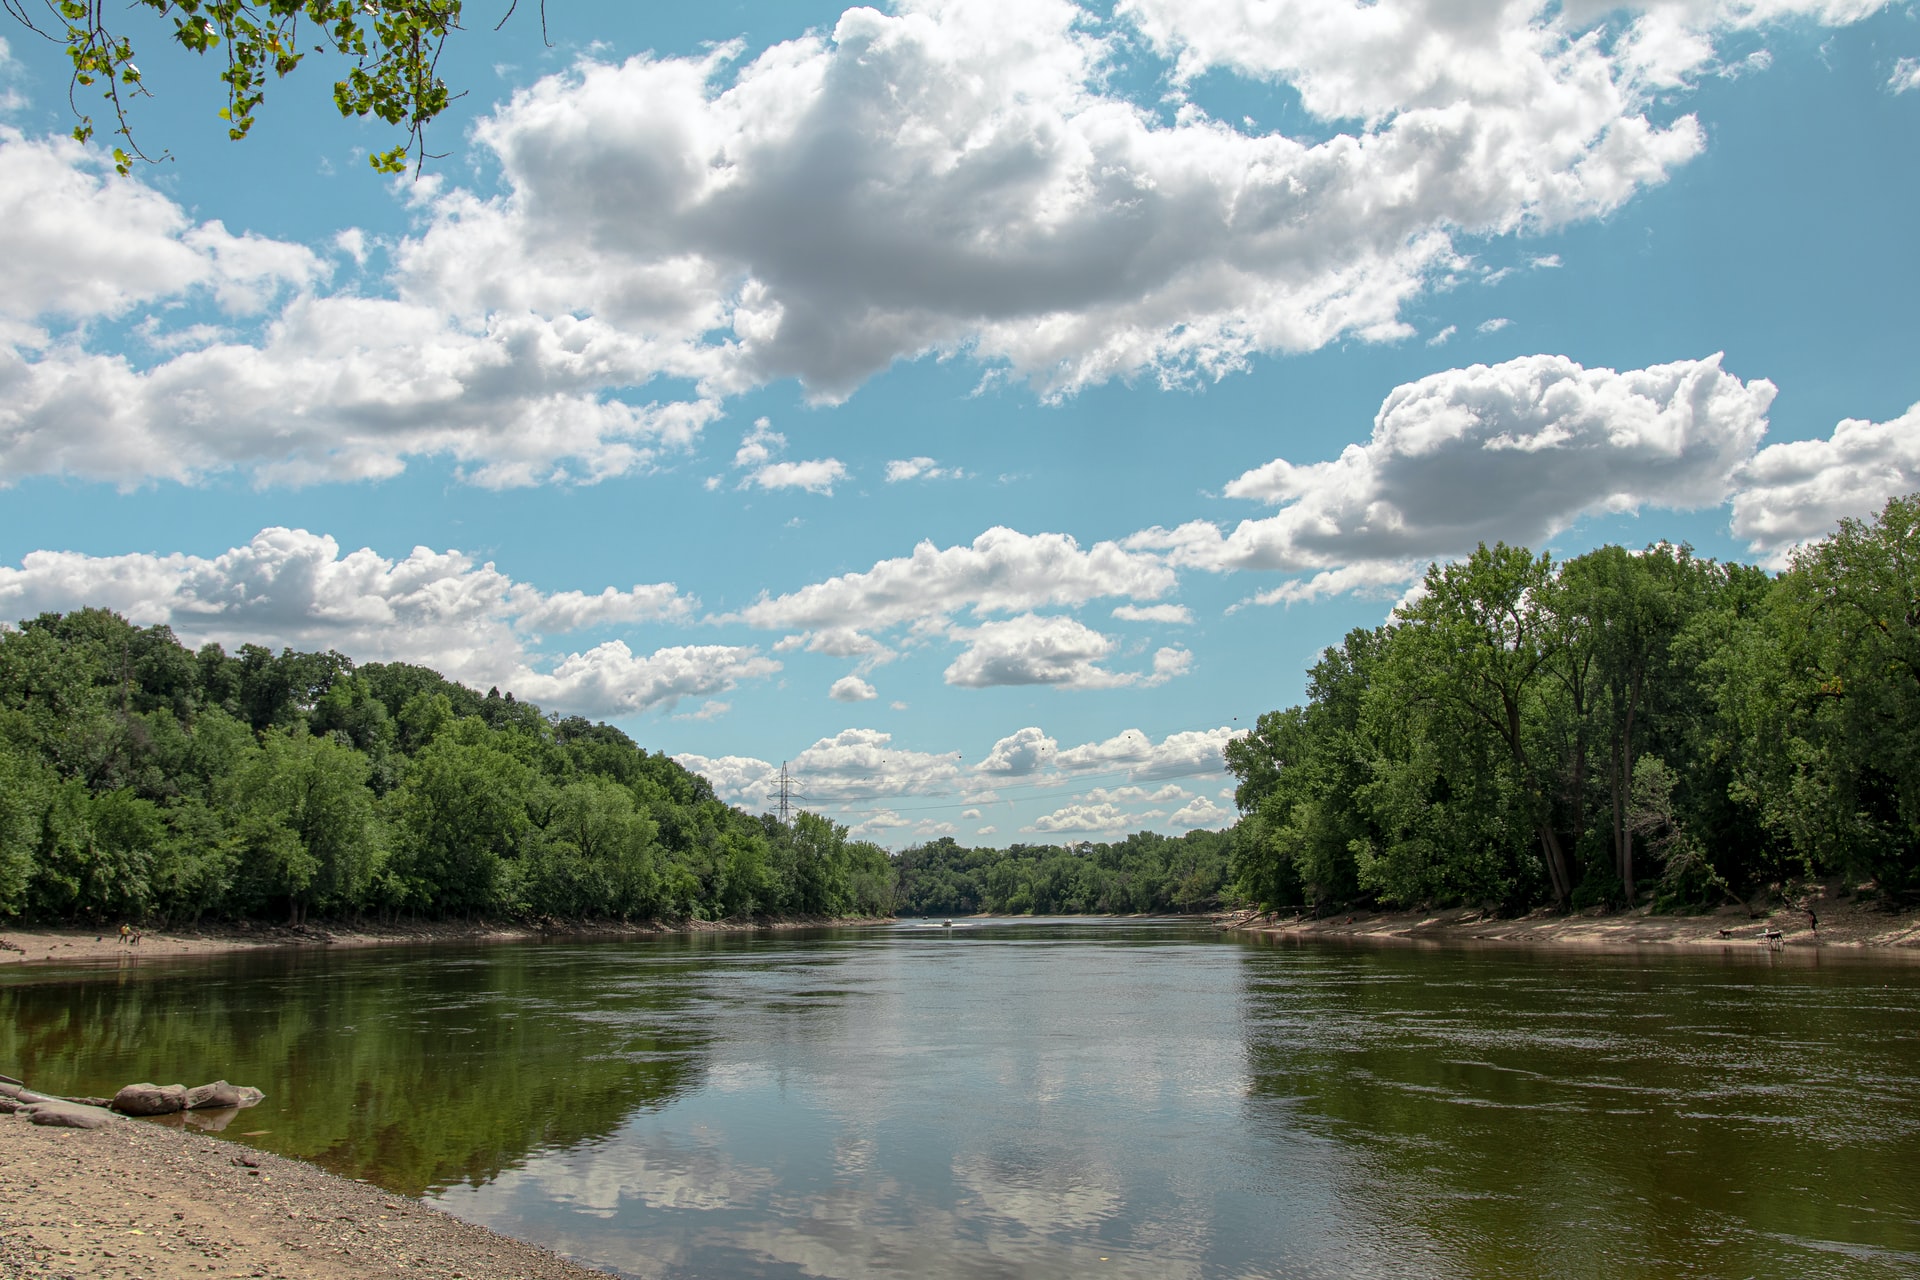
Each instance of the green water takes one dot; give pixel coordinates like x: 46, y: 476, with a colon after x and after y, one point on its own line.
x: 1054, y: 1098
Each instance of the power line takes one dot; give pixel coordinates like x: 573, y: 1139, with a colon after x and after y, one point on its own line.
x: 783, y: 798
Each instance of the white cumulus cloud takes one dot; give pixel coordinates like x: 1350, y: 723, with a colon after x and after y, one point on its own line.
x: 1031, y: 649
x: 1101, y: 817
x: 1186, y: 754
x: 1513, y: 452
x: 1002, y: 571
x: 1799, y: 490
x: 1200, y: 812
x: 1171, y: 614
x: 954, y: 177
x: 852, y: 689
x: 921, y: 469
x: 469, y: 621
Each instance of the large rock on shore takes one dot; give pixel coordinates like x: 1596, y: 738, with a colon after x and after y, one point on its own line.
x: 70, y: 1115
x: 150, y: 1099
x: 222, y: 1094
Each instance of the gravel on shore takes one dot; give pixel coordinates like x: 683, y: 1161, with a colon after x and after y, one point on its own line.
x: 140, y: 1201
x: 1835, y: 924
x: 70, y: 945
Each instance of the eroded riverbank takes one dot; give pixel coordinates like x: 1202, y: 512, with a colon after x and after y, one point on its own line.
x: 1833, y: 922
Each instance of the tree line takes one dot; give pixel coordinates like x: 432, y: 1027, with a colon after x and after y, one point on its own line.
x: 1617, y: 728
x: 1145, y: 872
x: 141, y: 780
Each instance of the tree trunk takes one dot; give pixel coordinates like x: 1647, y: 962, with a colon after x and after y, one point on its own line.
x: 1556, y: 865
x: 1626, y: 787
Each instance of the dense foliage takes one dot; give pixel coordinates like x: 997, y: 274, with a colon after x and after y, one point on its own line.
x: 1143, y: 873
x: 139, y: 779
x: 1615, y: 727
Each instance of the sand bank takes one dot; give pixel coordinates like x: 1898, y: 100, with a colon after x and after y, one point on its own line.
x: 1843, y: 924
x: 137, y: 1199
x: 63, y: 945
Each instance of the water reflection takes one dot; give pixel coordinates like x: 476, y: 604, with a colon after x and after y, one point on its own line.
x: 1064, y: 1098
x: 413, y: 1070
x: 1537, y: 1115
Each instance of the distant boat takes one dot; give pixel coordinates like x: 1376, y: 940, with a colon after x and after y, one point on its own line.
x: 947, y: 925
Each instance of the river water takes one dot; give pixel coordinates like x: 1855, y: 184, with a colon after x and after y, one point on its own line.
x: 1053, y: 1098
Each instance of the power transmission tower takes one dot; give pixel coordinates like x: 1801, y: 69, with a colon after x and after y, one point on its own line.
x: 784, y: 798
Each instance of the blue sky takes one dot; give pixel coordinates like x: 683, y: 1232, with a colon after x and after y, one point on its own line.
x: 987, y: 407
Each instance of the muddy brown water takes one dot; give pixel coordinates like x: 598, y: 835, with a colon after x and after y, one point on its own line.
x: 1048, y: 1098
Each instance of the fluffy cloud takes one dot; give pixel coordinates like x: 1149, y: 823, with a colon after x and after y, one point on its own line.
x: 741, y: 780
x: 1800, y: 490
x: 348, y: 389
x: 471, y: 622
x: 984, y: 189
x: 1179, y: 755
x: 1906, y: 75
x: 76, y: 242
x: 921, y: 469
x: 1083, y: 817
x: 1031, y: 649
x: 1200, y: 812
x: 853, y: 765
x: 1018, y: 754
x: 1377, y: 61
x: 955, y: 176
x: 1514, y: 451
x: 852, y: 689
x: 758, y: 456
x: 1171, y: 614
x: 1003, y: 571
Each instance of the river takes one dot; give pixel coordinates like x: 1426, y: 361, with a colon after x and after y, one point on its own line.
x: 1052, y: 1098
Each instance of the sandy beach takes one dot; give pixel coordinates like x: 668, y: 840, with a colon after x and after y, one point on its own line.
x: 140, y: 1201
x: 61, y: 946
x: 1843, y: 924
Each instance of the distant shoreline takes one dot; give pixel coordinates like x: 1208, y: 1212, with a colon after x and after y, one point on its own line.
x: 60, y: 946
x: 1845, y: 924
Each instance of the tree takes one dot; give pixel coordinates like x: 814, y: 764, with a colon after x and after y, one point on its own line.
x: 1478, y: 644
x: 390, y: 50
x: 309, y: 819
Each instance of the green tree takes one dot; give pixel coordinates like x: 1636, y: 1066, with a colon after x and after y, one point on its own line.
x: 458, y: 816
x: 308, y: 822
x: 390, y: 50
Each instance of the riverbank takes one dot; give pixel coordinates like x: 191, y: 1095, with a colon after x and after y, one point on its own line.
x: 137, y: 1199
x: 1842, y: 923
x: 64, y: 945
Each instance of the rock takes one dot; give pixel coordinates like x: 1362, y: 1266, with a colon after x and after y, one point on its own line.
x: 89, y: 1102
x: 8, y: 1106
x: 222, y: 1094
x: 70, y: 1115
x: 150, y: 1099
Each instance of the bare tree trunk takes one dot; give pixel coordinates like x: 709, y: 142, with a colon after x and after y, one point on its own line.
x: 1626, y: 787
x: 1556, y: 865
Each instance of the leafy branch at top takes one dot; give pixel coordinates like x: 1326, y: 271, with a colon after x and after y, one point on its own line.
x: 391, y: 47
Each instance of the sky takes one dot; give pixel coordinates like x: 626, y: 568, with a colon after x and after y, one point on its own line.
x: 986, y: 408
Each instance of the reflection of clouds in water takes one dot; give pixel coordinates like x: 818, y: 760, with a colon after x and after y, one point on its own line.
x: 852, y: 1153
x: 1044, y: 1197
x: 737, y: 1077
x: 600, y: 1179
